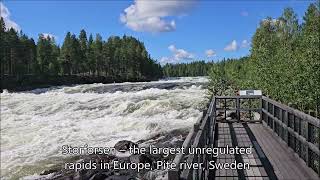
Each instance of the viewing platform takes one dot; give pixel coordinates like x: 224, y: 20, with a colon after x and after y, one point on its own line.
x: 284, y: 141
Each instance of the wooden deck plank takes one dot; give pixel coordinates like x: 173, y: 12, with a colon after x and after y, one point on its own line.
x: 286, y: 165
x: 290, y: 159
x: 237, y: 134
x: 267, y: 149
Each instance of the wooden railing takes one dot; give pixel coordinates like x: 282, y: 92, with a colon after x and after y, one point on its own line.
x: 300, y: 131
x: 203, y: 135
x: 244, y: 108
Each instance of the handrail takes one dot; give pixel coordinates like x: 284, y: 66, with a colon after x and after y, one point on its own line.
x: 239, y: 97
x: 298, y: 130
x: 223, y: 101
x: 175, y: 173
x: 202, y: 133
x: 192, y: 140
x: 199, y: 136
x: 313, y: 120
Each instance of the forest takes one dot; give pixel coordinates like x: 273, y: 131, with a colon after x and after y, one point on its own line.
x: 118, y: 59
x: 284, y: 62
x: 195, y: 68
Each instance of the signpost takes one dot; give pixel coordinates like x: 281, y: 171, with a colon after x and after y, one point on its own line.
x: 250, y: 92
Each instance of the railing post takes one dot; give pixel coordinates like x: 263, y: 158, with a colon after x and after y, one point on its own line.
x: 267, y: 110
x: 238, y: 108
x: 260, y: 111
x: 196, y: 127
x: 213, y: 120
x: 225, y: 109
x: 173, y: 174
x: 307, y: 150
x: 195, y: 172
x: 273, y: 121
x: 281, y: 125
x: 286, y: 138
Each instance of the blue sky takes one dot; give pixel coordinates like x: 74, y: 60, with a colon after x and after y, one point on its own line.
x: 172, y: 31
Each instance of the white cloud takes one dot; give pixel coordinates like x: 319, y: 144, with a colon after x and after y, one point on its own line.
x: 5, y: 14
x: 46, y: 35
x: 210, y: 53
x: 233, y: 46
x: 244, y: 13
x: 178, y: 55
x: 245, y: 43
x: 152, y: 15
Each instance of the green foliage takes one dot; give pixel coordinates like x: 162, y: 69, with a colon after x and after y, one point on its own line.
x: 47, y: 55
x: 195, y: 68
x: 118, y: 59
x: 17, y: 52
x: 284, y: 61
x: 219, y: 82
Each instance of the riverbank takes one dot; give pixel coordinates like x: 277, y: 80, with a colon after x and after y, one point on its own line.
x: 29, y: 82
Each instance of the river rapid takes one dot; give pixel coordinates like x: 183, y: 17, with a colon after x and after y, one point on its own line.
x: 36, y: 124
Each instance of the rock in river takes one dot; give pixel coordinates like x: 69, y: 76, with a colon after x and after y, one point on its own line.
x: 124, y: 145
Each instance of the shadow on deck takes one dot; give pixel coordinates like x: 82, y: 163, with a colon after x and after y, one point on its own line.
x: 284, y: 141
x: 270, y: 158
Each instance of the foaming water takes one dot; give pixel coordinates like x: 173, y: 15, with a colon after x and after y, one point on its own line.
x: 35, y: 124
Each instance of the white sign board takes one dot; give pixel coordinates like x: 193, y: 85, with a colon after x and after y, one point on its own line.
x: 250, y: 92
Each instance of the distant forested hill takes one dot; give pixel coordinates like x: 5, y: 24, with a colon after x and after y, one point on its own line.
x: 124, y: 59
x: 195, y: 68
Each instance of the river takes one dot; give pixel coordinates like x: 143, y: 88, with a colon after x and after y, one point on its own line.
x: 36, y: 124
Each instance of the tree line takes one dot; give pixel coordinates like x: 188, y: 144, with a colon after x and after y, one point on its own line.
x: 284, y: 61
x: 195, y: 68
x: 123, y: 58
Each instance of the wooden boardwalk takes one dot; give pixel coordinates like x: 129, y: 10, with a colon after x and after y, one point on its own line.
x: 238, y: 134
x: 285, y: 142
x: 285, y: 163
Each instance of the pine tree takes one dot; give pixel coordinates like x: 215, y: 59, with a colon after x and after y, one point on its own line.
x: 84, y: 51
x: 75, y: 55
x: 118, y: 59
x: 90, y: 58
x: 98, y: 54
x: 44, y: 54
x: 65, y: 55
x: 106, y: 56
x: 12, y: 51
x: 3, y: 47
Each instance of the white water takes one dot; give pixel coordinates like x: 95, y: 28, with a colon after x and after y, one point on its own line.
x: 35, y: 126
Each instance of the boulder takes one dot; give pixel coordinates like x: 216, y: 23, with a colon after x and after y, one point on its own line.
x: 124, y: 145
x: 50, y: 171
x: 232, y: 114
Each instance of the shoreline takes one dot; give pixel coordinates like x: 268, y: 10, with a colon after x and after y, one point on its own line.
x: 30, y: 82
